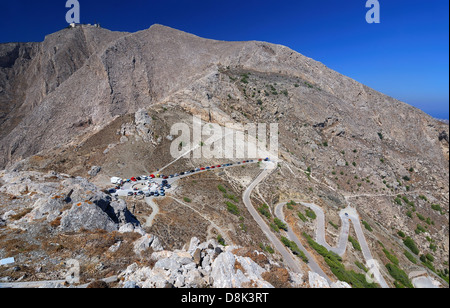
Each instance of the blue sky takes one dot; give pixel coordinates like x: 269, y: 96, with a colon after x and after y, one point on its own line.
x: 405, y: 56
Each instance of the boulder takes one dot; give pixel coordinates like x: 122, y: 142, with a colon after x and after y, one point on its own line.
x: 94, y: 171
x: 86, y: 216
x: 340, y: 285
x: 317, y: 282
x: 145, y: 242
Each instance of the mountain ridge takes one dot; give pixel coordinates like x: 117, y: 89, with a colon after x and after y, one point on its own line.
x: 91, y: 99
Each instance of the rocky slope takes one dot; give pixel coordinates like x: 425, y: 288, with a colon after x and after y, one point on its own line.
x: 93, y: 104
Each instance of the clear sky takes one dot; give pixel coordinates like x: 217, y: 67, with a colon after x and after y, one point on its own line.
x: 406, y: 56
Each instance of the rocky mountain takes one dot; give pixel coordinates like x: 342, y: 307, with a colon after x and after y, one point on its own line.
x: 87, y: 104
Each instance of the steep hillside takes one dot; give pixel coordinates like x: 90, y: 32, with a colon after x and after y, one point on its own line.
x: 88, y: 97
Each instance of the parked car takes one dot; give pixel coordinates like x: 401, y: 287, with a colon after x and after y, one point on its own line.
x: 130, y: 193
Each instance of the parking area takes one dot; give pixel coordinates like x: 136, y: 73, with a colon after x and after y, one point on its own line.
x: 156, y: 185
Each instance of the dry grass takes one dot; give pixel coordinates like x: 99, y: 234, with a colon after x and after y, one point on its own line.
x: 21, y: 214
x: 278, y: 277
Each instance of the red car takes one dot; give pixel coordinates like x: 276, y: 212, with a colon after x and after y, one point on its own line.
x: 202, y: 169
x: 219, y: 166
x: 213, y: 167
x: 133, y: 179
x: 152, y: 176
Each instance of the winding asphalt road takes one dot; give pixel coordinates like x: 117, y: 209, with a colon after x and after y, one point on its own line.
x: 346, y: 215
x: 312, y: 263
x: 288, y: 258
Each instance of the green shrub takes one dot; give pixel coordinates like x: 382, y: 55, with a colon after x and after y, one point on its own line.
x: 356, y: 280
x: 420, y: 229
x: 390, y: 256
x: 294, y: 248
x: 264, y: 210
x: 232, y: 208
x: 422, y: 197
x: 221, y: 240
x: 399, y: 275
x: 222, y: 189
x: 186, y: 199
x: 311, y: 214
x: 231, y: 197
x: 367, y: 226
x: 302, y: 217
x: 334, y: 225
x: 409, y: 242
x: 410, y: 257
x: 274, y: 227
x: 280, y: 224
x: 437, y: 208
x: 355, y: 243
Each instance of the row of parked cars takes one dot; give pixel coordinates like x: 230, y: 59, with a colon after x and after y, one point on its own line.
x: 208, y: 168
x: 165, y: 185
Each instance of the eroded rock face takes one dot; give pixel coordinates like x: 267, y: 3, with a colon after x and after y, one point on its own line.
x: 74, y: 202
x: 218, y: 267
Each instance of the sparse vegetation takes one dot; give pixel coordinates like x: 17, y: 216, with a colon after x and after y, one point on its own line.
x: 335, y: 263
x: 294, y: 248
x: 409, y: 242
x: 355, y: 243
x: 367, y: 226
x: 399, y: 275
x: 280, y: 224
x: 264, y: 210
x: 311, y: 214
x: 232, y: 208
